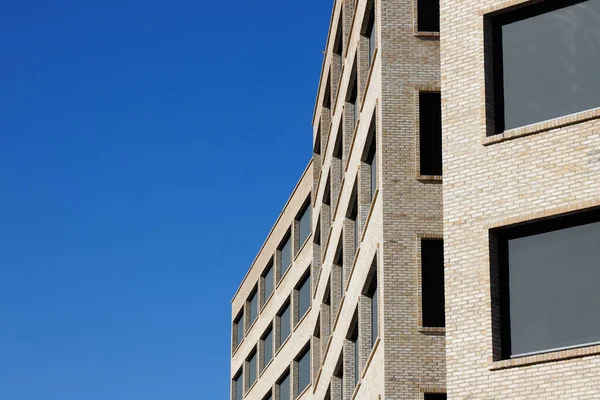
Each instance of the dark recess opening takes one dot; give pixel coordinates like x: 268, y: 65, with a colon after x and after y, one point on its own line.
x: 435, y: 396
x: 432, y: 279
x: 430, y: 131
x: 429, y: 15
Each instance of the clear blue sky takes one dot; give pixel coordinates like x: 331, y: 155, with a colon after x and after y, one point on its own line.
x: 146, y: 148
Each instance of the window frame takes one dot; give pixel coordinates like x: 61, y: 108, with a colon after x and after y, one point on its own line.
x: 494, y: 68
x: 500, y: 283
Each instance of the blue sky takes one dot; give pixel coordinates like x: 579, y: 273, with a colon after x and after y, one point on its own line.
x: 146, y: 148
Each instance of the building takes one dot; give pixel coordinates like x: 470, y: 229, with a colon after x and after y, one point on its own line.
x: 521, y: 196
x: 367, y: 288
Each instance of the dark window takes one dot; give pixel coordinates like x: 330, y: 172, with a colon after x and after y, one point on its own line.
x: 353, y: 98
x: 432, y: 280
x: 338, y: 153
x: 371, y: 157
x: 317, y: 149
x: 369, y: 29
x: 548, y: 274
x: 356, y: 356
x: 430, y: 133
x: 374, y: 311
x: 304, y: 222
x: 269, y: 396
x: 545, y: 62
x: 285, y: 323
x: 338, y: 47
x: 355, y: 349
x: 268, y: 282
x: 354, y: 219
x: 284, y: 387
x: 339, y: 374
x: 253, y: 304
x: 252, y: 369
x: 238, y: 384
x: 238, y: 326
x: 303, y: 297
x: 435, y: 396
x: 429, y: 16
x: 303, y: 371
x: 267, y: 347
x: 286, y: 255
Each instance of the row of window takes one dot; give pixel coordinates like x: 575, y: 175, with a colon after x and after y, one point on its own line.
x: 285, y: 388
x: 273, y: 273
x: 289, y: 315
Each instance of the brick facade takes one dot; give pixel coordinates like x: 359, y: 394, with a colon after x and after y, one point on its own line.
x: 363, y: 229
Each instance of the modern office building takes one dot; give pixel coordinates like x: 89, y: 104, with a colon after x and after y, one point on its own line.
x: 367, y: 288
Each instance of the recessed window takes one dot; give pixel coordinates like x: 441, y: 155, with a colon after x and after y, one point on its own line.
x: 430, y: 133
x: 432, y: 283
x: 338, y: 155
x: 303, y: 363
x: 369, y: 29
x: 371, y: 294
x: 435, y: 396
x: 238, y: 386
x: 284, y: 387
x: 267, y: 345
x: 304, y: 224
x: 268, y: 282
x: 338, y: 264
x: 285, y: 323
x: 545, y: 61
x: 352, y: 98
x: 338, y: 49
x: 428, y: 15
x: 269, y: 396
x: 285, y: 250
x: 353, y: 217
x: 339, y: 377
x: 252, y: 366
x: 238, y: 329
x: 370, y: 157
x: 548, y: 274
x: 355, y: 350
x: 303, y: 293
x: 253, y: 307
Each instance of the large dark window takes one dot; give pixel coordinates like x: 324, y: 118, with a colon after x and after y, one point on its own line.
x: 432, y: 280
x: 252, y: 369
x: 545, y: 61
x: 267, y: 345
x: 238, y: 386
x: 303, y: 371
x: 369, y: 29
x: 304, y: 222
x: 284, y: 387
x: 548, y: 273
x: 429, y: 16
x: 286, y: 254
x: 430, y: 133
x: 303, y: 290
x: 268, y: 283
x: 238, y: 328
x: 435, y: 396
x: 253, y: 306
x: 285, y: 323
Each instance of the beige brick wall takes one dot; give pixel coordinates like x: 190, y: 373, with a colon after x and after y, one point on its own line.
x: 414, y: 359
x: 284, y: 290
x: 491, y: 182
